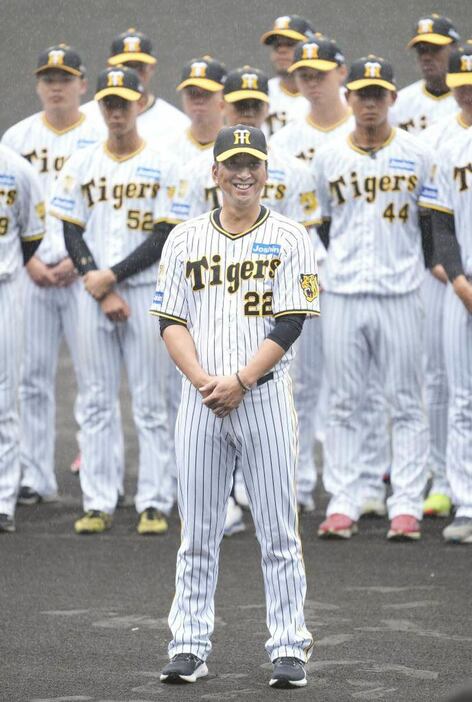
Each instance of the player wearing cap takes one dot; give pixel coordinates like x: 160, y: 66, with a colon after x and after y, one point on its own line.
x: 111, y: 198
x: 21, y: 231
x: 368, y: 187
x: 439, y: 136
x: 49, y: 300
x: 426, y: 101
x: 158, y: 120
x: 248, y: 274
x: 285, y: 101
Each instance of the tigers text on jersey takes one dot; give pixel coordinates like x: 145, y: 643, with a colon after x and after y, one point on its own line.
x: 117, y: 201
x: 47, y: 149
x: 447, y: 128
x: 416, y: 109
x: 283, y: 107
x: 450, y: 190
x: 21, y: 209
x: 289, y: 188
x: 229, y: 288
x: 372, y: 202
x: 302, y: 137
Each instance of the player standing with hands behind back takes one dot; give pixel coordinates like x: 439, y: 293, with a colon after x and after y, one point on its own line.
x: 250, y: 276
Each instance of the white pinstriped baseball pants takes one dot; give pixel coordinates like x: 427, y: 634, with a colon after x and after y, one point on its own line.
x: 9, y: 372
x: 262, y: 434
x: 458, y: 356
x: 386, y: 330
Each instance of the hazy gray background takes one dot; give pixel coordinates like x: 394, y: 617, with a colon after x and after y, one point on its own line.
x: 182, y: 29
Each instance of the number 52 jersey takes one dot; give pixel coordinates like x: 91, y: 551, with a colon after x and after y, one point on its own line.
x: 229, y: 288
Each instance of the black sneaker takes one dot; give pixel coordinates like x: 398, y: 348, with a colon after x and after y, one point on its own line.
x: 288, y: 672
x: 184, y: 668
x: 7, y: 523
x: 28, y: 496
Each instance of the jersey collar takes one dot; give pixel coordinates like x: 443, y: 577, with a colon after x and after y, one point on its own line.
x: 215, y: 220
x: 49, y: 126
x: 313, y: 124
x: 367, y: 152
x: 120, y: 159
x: 431, y: 96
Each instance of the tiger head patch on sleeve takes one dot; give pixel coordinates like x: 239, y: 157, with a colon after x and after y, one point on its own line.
x: 309, y: 285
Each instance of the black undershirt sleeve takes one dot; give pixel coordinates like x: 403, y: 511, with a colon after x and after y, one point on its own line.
x: 446, y: 246
x: 77, y: 248
x: 145, y: 254
x: 28, y: 248
x: 287, y: 330
x: 323, y: 232
x: 164, y: 323
x: 426, y: 227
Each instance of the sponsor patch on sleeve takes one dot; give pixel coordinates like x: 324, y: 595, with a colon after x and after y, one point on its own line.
x: 266, y: 249
x: 158, y: 297
x: 63, y: 203
x: 309, y: 286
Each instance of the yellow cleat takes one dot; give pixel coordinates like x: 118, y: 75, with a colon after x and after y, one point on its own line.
x: 152, y: 521
x: 437, y: 505
x: 93, y: 522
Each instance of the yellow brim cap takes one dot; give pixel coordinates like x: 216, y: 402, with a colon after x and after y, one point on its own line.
x: 129, y: 56
x: 289, y: 33
x: 241, y: 150
x: 246, y: 95
x: 437, y: 39
x: 125, y: 93
x: 317, y: 64
x: 365, y: 82
x: 204, y: 83
x: 66, y: 69
x: 455, y: 80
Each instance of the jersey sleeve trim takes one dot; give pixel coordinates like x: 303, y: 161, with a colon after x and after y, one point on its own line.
x: 33, y: 237
x: 179, y: 320
x: 312, y: 223
x: 439, y: 208
x: 66, y: 218
x: 314, y: 313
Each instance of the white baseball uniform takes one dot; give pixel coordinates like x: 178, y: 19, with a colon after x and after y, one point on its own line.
x: 372, y: 310
x: 235, y: 285
x: 118, y: 201
x: 434, y: 292
x: 50, y: 313
x: 21, y: 218
x: 416, y: 108
x: 451, y: 191
x: 283, y: 106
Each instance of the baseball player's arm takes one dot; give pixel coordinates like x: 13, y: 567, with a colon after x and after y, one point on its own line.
x: 426, y: 228
x: 449, y: 255
x: 181, y: 348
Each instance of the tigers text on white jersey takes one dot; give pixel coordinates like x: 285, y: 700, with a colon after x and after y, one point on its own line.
x: 156, y: 124
x: 372, y: 202
x: 283, y: 107
x: 302, y: 137
x: 47, y: 149
x: 447, y: 128
x: 229, y: 288
x: 117, y: 201
x: 416, y: 109
x: 450, y: 190
x: 21, y: 209
x: 289, y: 188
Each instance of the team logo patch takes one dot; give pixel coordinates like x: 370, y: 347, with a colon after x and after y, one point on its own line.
x: 402, y: 164
x: 68, y: 182
x: 309, y: 285
x: 158, y: 297
x: 40, y: 210
x: 266, y: 249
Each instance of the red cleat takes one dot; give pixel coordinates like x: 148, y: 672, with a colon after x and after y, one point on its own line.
x: 76, y: 463
x: 404, y: 528
x: 337, y: 526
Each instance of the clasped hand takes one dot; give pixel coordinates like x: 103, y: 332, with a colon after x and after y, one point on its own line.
x: 222, y: 394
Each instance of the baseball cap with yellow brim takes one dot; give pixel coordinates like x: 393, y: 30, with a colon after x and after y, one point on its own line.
x: 434, y: 29
x: 60, y: 57
x: 319, y: 53
x: 131, y: 46
x: 290, y: 26
x: 460, y: 67
x: 371, y: 70
x: 206, y: 73
x: 246, y: 83
x: 120, y: 81
x: 240, y: 139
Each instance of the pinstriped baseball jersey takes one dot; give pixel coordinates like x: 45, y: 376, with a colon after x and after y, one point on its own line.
x: 301, y: 138
x: 183, y: 148
x: 47, y: 149
x: 417, y: 109
x: 249, y: 278
x: 117, y: 201
x: 450, y: 190
x: 444, y: 129
x: 289, y: 188
x: 372, y: 202
x: 21, y: 209
x: 283, y: 106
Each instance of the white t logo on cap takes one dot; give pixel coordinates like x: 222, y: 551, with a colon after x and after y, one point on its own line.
x: 242, y: 136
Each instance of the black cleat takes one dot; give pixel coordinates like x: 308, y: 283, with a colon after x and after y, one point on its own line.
x: 184, y: 668
x: 28, y: 496
x: 7, y: 523
x: 288, y: 672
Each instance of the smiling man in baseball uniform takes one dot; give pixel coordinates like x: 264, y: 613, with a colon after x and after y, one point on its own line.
x: 250, y: 276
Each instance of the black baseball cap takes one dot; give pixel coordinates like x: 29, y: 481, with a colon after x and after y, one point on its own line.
x: 60, y: 57
x: 320, y: 53
x: 434, y: 29
x: 290, y: 26
x: 206, y: 73
x: 460, y: 66
x: 246, y: 83
x: 371, y: 70
x: 120, y: 81
x: 131, y: 46
x: 240, y: 139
